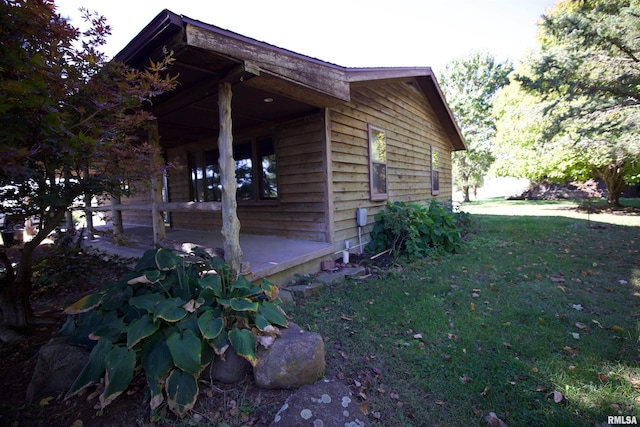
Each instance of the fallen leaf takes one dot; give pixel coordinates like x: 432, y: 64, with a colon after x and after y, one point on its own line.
x: 418, y: 336
x: 439, y: 402
x: 603, y: 377
x: 577, y: 306
x: 507, y: 345
x: 534, y: 369
x: 622, y: 282
x: 581, y: 326
x: 77, y: 423
x: 556, y: 396
x: 575, y: 335
x: 485, y: 391
x: 572, y: 368
x: 465, y: 379
x: 617, y: 328
x: 562, y: 288
x: 343, y: 317
x: 475, y: 295
x: 394, y: 395
x: 364, y: 408
x: 477, y: 412
x: 376, y: 415
x: 45, y: 401
x: 452, y: 336
x: 472, y: 306
x: 541, y: 388
x: 557, y: 279
x: 598, y: 324
x: 493, y: 420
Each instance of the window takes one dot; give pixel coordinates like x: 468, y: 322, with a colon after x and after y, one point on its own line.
x: 255, y: 172
x: 378, y: 163
x: 435, y: 172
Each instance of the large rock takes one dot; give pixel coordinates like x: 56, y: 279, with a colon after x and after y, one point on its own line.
x: 58, y: 365
x: 325, y: 403
x: 296, y: 358
x: 231, y: 370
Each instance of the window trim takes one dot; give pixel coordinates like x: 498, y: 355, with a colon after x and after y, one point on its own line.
x: 372, y: 193
x: 199, y: 156
x: 435, y: 170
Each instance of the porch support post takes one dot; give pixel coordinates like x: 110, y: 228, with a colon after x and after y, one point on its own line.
x: 230, y: 222
x: 116, y: 214
x: 88, y: 214
x: 157, y: 217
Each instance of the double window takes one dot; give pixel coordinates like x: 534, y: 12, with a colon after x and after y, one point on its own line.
x: 378, y: 163
x: 255, y: 172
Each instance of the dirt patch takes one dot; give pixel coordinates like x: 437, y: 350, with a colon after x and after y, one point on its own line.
x: 63, y: 280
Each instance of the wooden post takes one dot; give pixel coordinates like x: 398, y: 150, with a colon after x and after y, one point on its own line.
x: 88, y: 214
x: 116, y: 214
x: 157, y: 217
x: 230, y: 222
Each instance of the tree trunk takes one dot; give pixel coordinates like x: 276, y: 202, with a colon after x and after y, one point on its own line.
x: 14, y: 297
x: 16, y: 288
x: 613, y: 177
x: 230, y: 222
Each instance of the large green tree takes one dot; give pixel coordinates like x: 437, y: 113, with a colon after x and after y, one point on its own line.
x: 67, y: 116
x: 587, y: 74
x: 470, y: 84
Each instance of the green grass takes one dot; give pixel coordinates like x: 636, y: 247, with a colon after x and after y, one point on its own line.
x: 446, y: 341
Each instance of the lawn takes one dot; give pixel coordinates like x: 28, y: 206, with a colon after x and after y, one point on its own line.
x: 536, y: 320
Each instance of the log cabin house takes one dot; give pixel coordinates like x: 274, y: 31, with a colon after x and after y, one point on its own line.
x: 315, y: 144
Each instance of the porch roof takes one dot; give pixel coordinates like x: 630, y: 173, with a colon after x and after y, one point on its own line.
x: 269, y: 83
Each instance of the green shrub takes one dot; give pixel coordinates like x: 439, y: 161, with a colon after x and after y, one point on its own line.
x: 416, y: 230
x: 170, y: 317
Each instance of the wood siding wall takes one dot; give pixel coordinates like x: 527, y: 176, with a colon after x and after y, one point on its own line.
x: 299, y: 212
x: 411, y: 129
x: 142, y: 194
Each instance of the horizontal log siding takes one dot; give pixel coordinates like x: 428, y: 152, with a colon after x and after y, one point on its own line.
x: 141, y: 195
x: 411, y: 128
x: 299, y: 211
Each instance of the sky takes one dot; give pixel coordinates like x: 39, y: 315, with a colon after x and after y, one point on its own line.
x: 350, y: 33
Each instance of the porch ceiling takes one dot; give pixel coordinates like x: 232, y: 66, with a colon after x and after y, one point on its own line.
x: 190, y: 112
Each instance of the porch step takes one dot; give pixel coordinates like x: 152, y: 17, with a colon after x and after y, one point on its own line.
x: 325, y: 278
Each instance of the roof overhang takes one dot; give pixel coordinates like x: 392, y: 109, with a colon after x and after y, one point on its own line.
x: 427, y: 83
x: 270, y: 84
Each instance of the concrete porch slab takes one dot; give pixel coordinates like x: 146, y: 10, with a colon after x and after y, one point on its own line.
x: 267, y: 256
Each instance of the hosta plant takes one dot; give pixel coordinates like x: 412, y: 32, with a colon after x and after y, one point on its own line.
x: 168, y: 319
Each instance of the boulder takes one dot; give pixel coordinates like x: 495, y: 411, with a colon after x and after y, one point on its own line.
x: 231, y: 370
x: 58, y: 366
x: 325, y: 403
x: 295, y: 359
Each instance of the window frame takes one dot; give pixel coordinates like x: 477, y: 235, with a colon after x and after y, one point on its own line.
x: 435, y: 170
x: 373, y: 193
x: 197, y: 161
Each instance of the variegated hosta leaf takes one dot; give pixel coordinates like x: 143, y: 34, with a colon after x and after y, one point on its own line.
x: 140, y: 279
x: 182, y: 391
x: 94, y: 368
x: 185, y: 350
x: 167, y: 260
x: 84, y: 304
x: 120, y: 364
x: 244, y: 344
x: 273, y: 313
x: 210, y: 326
x: 140, y: 329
